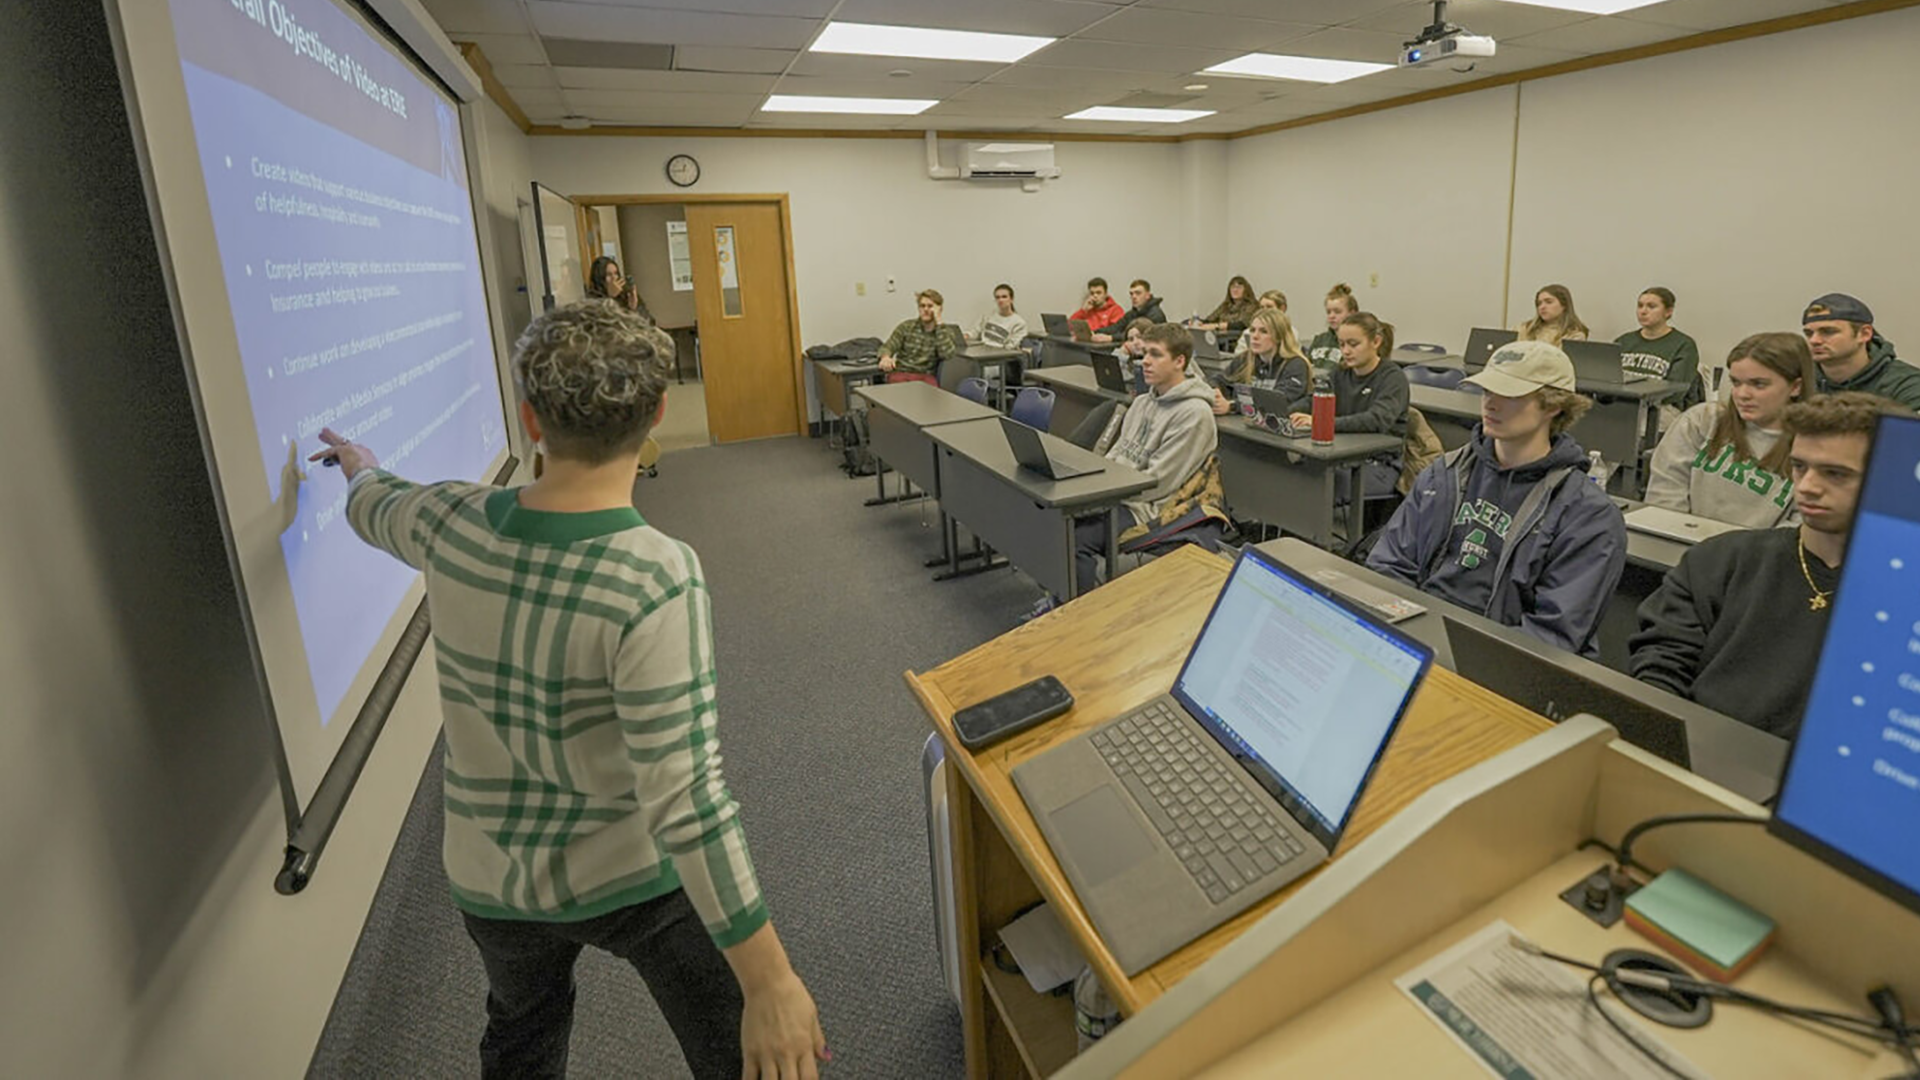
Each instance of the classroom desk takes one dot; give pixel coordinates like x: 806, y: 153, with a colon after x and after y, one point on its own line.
x: 898, y: 421
x: 1407, y: 357
x: 1289, y: 483
x: 835, y: 379
x: 1076, y: 393
x: 1734, y: 755
x: 978, y: 357
x: 1002, y: 863
x: 1023, y: 515
x: 1058, y: 351
x: 1452, y: 413
x: 1625, y: 420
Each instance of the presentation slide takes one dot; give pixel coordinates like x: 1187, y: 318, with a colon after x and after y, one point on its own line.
x: 1854, y: 781
x: 332, y: 176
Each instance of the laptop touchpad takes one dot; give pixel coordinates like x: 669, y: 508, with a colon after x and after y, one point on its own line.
x: 1102, y: 833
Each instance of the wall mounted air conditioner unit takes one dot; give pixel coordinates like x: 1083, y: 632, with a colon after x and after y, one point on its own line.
x: 1008, y: 161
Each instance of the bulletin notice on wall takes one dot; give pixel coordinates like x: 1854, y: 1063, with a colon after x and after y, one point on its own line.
x: 1523, y: 1016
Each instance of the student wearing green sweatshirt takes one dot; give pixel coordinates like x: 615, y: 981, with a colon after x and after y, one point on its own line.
x: 1323, y: 352
x: 1738, y: 625
x: 1728, y: 460
x: 1655, y: 348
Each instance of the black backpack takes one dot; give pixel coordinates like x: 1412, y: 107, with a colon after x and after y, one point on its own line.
x: 856, y: 455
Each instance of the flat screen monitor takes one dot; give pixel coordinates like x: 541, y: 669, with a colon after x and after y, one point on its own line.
x: 1851, y: 794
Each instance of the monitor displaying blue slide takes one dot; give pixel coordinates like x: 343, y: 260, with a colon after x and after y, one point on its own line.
x: 317, y: 207
x: 1852, y: 787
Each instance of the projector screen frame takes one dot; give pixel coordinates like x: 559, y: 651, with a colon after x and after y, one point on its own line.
x: 207, y: 330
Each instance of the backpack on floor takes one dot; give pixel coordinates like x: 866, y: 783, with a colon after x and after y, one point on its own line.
x: 856, y: 455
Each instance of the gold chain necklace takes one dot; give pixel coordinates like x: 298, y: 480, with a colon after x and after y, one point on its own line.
x: 1819, y: 597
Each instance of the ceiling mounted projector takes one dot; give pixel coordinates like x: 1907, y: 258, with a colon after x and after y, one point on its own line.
x: 1442, y: 42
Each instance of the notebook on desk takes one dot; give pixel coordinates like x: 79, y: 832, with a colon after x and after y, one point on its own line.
x: 1190, y: 809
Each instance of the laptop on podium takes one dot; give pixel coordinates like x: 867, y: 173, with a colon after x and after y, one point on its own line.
x: 1194, y: 807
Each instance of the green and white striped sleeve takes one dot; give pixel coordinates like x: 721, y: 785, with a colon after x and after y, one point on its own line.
x: 390, y: 513
x: 664, y: 695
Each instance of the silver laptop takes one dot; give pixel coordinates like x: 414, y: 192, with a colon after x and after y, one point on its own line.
x: 1056, y: 325
x: 1030, y: 450
x: 1201, y: 803
x: 1598, y: 362
x: 1674, y: 525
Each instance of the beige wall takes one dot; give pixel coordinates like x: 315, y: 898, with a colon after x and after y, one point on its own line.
x: 643, y: 236
x: 1748, y: 177
x: 140, y: 822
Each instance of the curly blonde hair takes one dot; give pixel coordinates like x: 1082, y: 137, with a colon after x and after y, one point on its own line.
x: 594, y: 374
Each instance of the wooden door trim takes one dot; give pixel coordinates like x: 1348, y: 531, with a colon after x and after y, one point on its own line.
x: 796, y: 365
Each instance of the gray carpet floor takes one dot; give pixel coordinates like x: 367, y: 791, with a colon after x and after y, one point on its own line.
x: 819, y: 604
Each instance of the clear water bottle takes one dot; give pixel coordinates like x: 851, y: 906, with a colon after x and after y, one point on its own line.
x: 1094, y: 1013
x: 1599, y: 469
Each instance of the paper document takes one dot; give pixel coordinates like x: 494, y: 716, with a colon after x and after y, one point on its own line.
x: 1523, y: 1016
x: 1043, y: 949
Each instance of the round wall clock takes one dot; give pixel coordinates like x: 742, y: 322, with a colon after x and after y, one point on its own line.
x: 683, y: 170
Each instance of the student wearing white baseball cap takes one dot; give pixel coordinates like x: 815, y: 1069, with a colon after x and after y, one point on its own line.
x: 1509, y: 524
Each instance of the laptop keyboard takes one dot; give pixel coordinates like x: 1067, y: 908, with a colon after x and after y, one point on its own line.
x: 1224, y: 837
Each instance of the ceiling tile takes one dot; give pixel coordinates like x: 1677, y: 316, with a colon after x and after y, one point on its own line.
x: 1123, y: 56
x: 530, y: 99
x: 1313, y: 12
x: 843, y: 66
x: 587, y: 101
x: 1714, y: 14
x: 882, y: 87
x: 669, y: 81
x: 514, y: 76
x: 1374, y: 46
x: 1021, y: 98
x: 1045, y: 18
x: 1026, y: 74
x: 462, y: 17
x: 749, y: 61
x: 828, y: 121
x: 1600, y: 35
x: 604, y: 22
x: 1494, y: 18
x: 654, y: 115
x: 805, y: 9
x: 1177, y: 28
x: 507, y: 48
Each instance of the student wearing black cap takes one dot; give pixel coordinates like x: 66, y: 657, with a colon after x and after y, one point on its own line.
x: 1852, y: 356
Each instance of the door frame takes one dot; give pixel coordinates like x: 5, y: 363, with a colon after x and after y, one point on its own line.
x: 779, y: 200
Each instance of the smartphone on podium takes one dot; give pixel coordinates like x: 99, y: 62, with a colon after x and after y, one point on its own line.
x: 989, y: 721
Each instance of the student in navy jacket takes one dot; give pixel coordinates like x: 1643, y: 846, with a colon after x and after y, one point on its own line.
x: 1510, y: 525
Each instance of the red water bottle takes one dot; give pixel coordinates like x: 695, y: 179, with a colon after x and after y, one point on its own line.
x: 1322, y: 411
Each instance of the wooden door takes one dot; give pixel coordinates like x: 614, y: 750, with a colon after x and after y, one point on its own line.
x: 748, y: 356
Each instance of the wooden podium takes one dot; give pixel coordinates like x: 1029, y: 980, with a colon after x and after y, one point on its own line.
x: 1476, y: 813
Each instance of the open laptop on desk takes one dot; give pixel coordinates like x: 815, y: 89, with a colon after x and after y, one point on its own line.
x: 1056, y: 325
x: 1556, y: 691
x: 1270, y: 413
x: 1030, y: 450
x: 1674, y: 525
x: 1181, y: 814
x: 1481, y: 342
x: 1598, y: 363
x: 1110, y: 372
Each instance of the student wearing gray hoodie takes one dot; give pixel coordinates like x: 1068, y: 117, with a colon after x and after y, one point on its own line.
x: 1167, y: 432
x: 1509, y: 525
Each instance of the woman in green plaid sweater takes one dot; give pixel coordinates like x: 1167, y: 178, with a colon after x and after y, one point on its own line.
x: 584, y: 801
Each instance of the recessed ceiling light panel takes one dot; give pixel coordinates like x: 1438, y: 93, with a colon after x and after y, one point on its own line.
x: 1138, y: 116
x: 810, y: 103
x: 1591, y: 7
x: 870, y: 39
x: 1317, y: 69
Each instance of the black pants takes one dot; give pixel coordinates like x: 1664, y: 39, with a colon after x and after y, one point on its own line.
x: 1090, y: 546
x: 530, y: 986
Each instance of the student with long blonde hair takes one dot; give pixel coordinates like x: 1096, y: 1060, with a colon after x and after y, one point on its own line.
x: 1273, y: 360
x: 1553, y: 319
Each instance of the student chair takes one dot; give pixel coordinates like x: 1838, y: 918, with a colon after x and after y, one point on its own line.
x: 1033, y: 406
x: 974, y: 388
x: 1444, y: 378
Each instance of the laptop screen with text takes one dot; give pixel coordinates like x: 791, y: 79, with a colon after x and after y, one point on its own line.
x: 1305, y: 690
